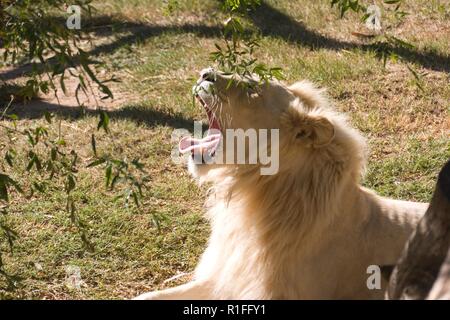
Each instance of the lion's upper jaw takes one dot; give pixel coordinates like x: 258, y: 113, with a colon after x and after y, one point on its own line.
x: 203, y: 91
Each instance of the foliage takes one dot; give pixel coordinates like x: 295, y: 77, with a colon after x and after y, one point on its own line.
x: 384, y: 43
x: 51, y: 162
x: 30, y: 32
x: 236, y: 55
x: 34, y: 31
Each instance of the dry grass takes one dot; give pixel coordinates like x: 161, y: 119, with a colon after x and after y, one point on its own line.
x: 158, y: 57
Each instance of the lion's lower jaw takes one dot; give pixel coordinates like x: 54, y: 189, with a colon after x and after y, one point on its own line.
x: 199, y: 170
x: 215, y: 173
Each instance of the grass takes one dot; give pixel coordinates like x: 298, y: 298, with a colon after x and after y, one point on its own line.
x: 158, y: 60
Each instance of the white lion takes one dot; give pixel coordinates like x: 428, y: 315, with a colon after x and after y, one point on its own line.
x: 310, y: 231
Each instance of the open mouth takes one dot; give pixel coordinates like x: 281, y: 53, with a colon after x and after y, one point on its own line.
x: 211, y: 141
x: 212, y: 119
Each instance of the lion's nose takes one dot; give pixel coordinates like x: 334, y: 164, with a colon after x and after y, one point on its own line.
x: 208, y: 74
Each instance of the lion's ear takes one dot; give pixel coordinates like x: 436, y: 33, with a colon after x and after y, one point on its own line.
x: 311, y: 130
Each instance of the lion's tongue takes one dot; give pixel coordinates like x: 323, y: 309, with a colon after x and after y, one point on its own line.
x: 209, y: 143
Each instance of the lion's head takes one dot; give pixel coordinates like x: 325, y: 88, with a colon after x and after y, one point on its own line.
x: 311, y: 135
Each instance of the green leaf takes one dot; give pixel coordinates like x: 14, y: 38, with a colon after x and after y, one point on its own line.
x: 53, y: 154
x: 104, y: 122
x: 12, y: 116
x: 32, y: 157
x: 108, y: 174
x: 38, y: 163
x: 48, y: 117
x: 365, y: 17
x: 106, y: 91
x: 30, y: 138
x: 96, y: 163
x: 62, y: 84
x: 70, y: 183
x: 94, y: 144
x: 115, y: 180
x: 70, y: 208
x: 418, y: 80
x: 9, y: 158
x: 137, y: 164
x: 400, y: 42
x: 135, y: 198
x: 39, y: 187
x: 5, y: 182
x: 3, y: 190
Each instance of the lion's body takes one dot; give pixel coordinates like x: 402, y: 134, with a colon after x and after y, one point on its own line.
x: 280, y: 257
x: 308, y: 232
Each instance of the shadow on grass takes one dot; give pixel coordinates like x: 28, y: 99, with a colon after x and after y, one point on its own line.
x: 138, y: 32
x: 269, y: 20
x: 272, y: 22
x: 143, y: 115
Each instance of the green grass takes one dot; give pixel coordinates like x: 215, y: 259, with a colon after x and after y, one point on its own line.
x: 407, y: 131
x: 410, y: 174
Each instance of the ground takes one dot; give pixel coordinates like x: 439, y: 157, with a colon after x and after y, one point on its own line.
x: 158, y: 56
